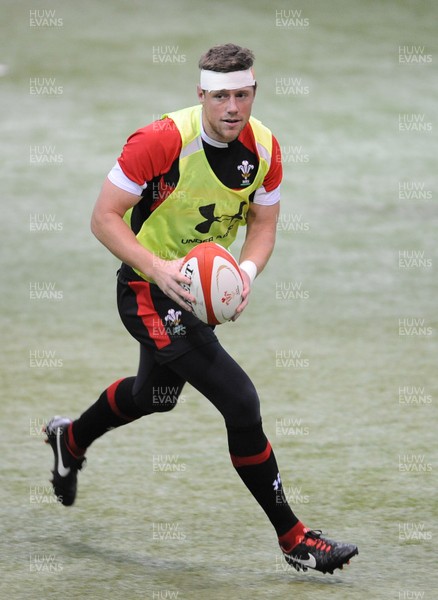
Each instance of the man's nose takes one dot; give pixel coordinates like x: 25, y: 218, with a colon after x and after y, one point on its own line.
x: 232, y: 105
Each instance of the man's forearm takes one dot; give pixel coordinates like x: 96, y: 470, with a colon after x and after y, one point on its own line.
x: 260, y: 238
x: 110, y: 229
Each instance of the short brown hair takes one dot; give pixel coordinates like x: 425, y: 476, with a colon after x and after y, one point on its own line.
x: 227, y: 58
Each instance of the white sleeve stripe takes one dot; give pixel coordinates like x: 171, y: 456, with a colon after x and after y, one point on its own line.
x: 118, y: 178
x: 261, y: 196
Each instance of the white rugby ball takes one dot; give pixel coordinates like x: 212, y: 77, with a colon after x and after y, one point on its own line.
x: 216, y: 282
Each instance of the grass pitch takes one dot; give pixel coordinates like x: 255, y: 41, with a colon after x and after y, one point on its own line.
x: 340, y: 336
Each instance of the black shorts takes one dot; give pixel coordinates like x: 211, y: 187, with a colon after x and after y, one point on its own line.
x: 156, y: 321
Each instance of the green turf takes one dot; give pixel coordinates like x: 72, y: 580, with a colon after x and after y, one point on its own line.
x: 349, y: 402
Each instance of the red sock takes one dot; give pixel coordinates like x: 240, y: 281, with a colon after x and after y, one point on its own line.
x: 71, y: 445
x: 291, y: 538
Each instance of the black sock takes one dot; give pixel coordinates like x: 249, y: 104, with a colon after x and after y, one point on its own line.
x: 115, y: 407
x: 254, y: 461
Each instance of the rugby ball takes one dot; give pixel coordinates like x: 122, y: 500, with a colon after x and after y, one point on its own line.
x: 216, y: 282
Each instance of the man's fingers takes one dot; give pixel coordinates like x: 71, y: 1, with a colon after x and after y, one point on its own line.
x: 178, y: 297
x: 245, y: 297
x: 180, y: 294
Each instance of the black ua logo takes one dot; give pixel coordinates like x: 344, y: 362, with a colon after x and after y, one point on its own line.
x: 208, y: 213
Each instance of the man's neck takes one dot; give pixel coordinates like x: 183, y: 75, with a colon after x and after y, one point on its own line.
x: 208, y: 140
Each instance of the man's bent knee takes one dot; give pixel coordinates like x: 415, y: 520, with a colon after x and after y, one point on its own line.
x: 160, y: 399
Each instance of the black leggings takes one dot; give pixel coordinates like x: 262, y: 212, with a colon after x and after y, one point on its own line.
x: 210, y: 370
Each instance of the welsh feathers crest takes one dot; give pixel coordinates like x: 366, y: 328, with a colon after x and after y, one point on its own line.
x: 246, y: 168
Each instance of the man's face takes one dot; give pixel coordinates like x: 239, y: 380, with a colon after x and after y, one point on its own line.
x: 226, y: 112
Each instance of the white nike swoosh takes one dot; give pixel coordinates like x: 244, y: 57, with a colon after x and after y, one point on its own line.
x: 309, y: 562
x: 63, y: 471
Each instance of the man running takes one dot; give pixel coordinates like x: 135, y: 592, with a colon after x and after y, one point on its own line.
x: 195, y: 175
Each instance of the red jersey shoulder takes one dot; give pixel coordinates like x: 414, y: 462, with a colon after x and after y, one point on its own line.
x: 275, y: 174
x: 150, y: 151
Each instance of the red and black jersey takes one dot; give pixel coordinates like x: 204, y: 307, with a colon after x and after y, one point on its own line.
x: 148, y: 164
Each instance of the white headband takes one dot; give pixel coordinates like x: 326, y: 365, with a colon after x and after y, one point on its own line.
x: 213, y: 80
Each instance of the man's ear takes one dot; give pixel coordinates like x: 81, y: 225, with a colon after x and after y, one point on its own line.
x: 201, y: 94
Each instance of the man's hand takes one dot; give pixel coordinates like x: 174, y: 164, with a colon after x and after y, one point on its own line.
x: 258, y: 245
x: 245, y: 296
x: 167, y: 275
